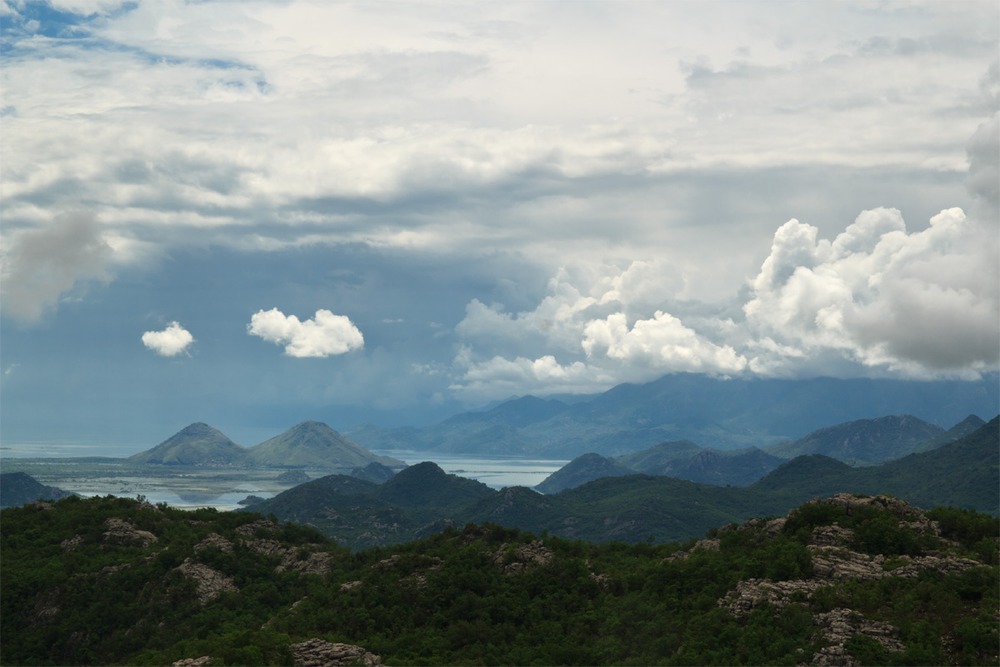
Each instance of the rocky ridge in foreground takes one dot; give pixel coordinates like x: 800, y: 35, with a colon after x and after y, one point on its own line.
x: 847, y: 580
x: 835, y: 559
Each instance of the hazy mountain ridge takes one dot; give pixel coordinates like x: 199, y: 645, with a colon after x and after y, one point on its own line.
x: 716, y: 413
x: 582, y: 469
x: 862, y: 441
x: 18, y: 488
x: 965, y: 427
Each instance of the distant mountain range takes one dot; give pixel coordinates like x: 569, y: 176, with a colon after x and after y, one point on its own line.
x: 717, y: 413
x: 422, y: 498
x: 306, y: 445
x: 866, y: 441
x: 861, y: 442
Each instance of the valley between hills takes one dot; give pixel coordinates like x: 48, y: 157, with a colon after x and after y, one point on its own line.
x: 671, y: 491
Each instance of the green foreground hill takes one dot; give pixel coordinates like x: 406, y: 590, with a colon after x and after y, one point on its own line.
x: 848, y: 580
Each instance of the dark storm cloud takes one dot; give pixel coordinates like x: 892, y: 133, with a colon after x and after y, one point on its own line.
x: 42, y: 265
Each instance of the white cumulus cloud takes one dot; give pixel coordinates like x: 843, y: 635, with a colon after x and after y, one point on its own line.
x: 595, y: 327
x: 170, y: 342
x: 325, y: 335
x: 920, y: 303
x: 662, y: 342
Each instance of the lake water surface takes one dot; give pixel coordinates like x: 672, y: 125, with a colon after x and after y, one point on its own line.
x: 223, y: 488
x: 497, y: 472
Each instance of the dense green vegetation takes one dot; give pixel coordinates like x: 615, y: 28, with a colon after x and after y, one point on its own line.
x: 103, y: 581
x: 964, y: 473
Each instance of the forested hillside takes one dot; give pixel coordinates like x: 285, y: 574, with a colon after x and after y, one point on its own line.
x: 105, y: 581
x: 423, y: 499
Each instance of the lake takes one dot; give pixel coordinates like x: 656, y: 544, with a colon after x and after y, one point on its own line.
x: 496, y: 472
x: 222, y: 488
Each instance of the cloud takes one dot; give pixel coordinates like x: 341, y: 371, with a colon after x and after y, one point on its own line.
x: 41, y: 265
x: 323, y: 336
x: 596, y: 326
x: 920, y: 303
x: 983, y: 151
x: 874, y: 298
x: 170, y: 342
x: 501, y: 377
x: 662, y: 342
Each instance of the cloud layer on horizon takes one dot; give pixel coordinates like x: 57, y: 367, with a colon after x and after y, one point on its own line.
x: 914, y: 304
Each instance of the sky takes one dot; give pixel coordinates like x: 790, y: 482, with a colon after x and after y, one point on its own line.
x: 252, y: 213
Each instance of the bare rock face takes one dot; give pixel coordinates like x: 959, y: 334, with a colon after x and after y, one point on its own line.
x: 47, y: 605
x: 753, y: 593
x: 522, y: 558
x: 293, y: 559
x: 317, y: 562
x: 839, y: 625
x: 193, y: 662
x: 320, y: 653
x: 214, y: 541
x: 211, y: 583
x: 119, y: 531
x: 263, y: 525
x: 831, y: 536
x: 72, y: 543
x: 708, y: 544
x: 831, y: 563
x: 851, y: 502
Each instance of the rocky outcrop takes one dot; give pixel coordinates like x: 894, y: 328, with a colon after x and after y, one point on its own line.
x: 259, y: 526
x: 193, y: 662
x: 214, y: 541
x: 312, y: 562
x: 710, y: 544
x: 522, y: 557
x: 751, y: 594
x: 47, y: 604
x: 121, y: 532
x: 839, y: 625
x: 321, y: 653
x: 834, y: 561
x: 210, y: 583
x: 292, y: 559
x: 72, y: 543
x: 851, y: 502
